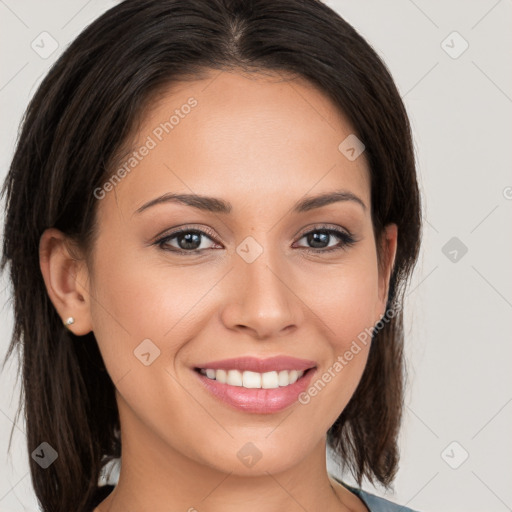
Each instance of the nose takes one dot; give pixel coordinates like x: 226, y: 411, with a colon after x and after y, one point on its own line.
x: 263, y: 299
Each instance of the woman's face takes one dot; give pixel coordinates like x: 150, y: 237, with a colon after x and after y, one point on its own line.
x: 252, y: 274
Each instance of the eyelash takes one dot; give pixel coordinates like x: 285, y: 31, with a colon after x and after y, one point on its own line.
x: 346, y: 238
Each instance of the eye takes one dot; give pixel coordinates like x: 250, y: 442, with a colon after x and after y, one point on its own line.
x: 321, y: 235
x: 188, y: 241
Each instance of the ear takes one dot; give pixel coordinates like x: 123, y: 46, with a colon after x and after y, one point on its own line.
x: 66, y: 279
x: 388, y: 245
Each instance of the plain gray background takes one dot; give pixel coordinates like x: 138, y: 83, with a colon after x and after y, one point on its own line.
x: 456, y: 446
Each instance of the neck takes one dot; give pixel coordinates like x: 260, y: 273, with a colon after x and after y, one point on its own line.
x: 156, y: 476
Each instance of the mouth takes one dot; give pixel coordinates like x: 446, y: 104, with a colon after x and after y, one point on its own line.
x: 256, y: 386
x: 254, y: 380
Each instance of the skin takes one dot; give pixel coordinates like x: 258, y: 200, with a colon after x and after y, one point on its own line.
x: 260, y: 143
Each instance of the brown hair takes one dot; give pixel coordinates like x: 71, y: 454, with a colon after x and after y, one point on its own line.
x: 77, y: 121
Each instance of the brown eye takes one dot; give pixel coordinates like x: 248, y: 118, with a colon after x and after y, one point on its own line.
x: 320, y: 238
x: 186, y: 240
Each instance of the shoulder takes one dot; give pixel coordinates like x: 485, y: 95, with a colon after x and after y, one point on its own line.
x: 375, y: 503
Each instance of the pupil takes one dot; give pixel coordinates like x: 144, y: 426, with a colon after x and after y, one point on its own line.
x: 318, y: 237
x: 191, y: 239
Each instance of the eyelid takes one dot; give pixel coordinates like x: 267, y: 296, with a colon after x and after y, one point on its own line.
x: 325, y: 227
x: 185, y: 228
x: 347, y: 239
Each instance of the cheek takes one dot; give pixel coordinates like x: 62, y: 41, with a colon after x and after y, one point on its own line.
x: 345, y: 301
x: 345, y: 298
x: 135, y: 300
x: 142, y: 316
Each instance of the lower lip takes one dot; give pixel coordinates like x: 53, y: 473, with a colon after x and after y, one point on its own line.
x: 257, y: 401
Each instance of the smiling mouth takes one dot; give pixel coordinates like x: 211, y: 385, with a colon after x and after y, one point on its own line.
x: 254, y: 380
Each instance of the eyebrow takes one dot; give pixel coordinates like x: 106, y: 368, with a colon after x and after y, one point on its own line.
x: 216, y: 205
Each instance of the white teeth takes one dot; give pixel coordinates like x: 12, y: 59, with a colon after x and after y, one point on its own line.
x: 294, y: 375
x: 220, y: 375
x: 252, y: 380
x: 269, y: 380
x: 234, y: 378
x: 283, y: 378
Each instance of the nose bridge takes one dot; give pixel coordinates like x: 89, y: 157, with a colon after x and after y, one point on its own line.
x: 264, y: 302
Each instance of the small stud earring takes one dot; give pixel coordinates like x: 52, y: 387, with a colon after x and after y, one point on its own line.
x: 69, y: 321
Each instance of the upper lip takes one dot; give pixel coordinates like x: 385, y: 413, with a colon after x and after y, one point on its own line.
x: 253, y: 364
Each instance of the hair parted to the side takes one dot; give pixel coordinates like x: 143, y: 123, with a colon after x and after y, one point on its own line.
x: 79, y: 118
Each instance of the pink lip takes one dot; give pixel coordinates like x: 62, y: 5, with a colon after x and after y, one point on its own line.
x: 257, y: 401
x: 254, y: 364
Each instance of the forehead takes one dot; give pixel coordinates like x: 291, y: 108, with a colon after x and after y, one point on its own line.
x: 251, y: 139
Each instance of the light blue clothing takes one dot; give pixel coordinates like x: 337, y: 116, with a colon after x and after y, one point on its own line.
x: 374, y: 503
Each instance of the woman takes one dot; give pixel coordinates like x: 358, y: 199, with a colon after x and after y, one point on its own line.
x: 212, y: 214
